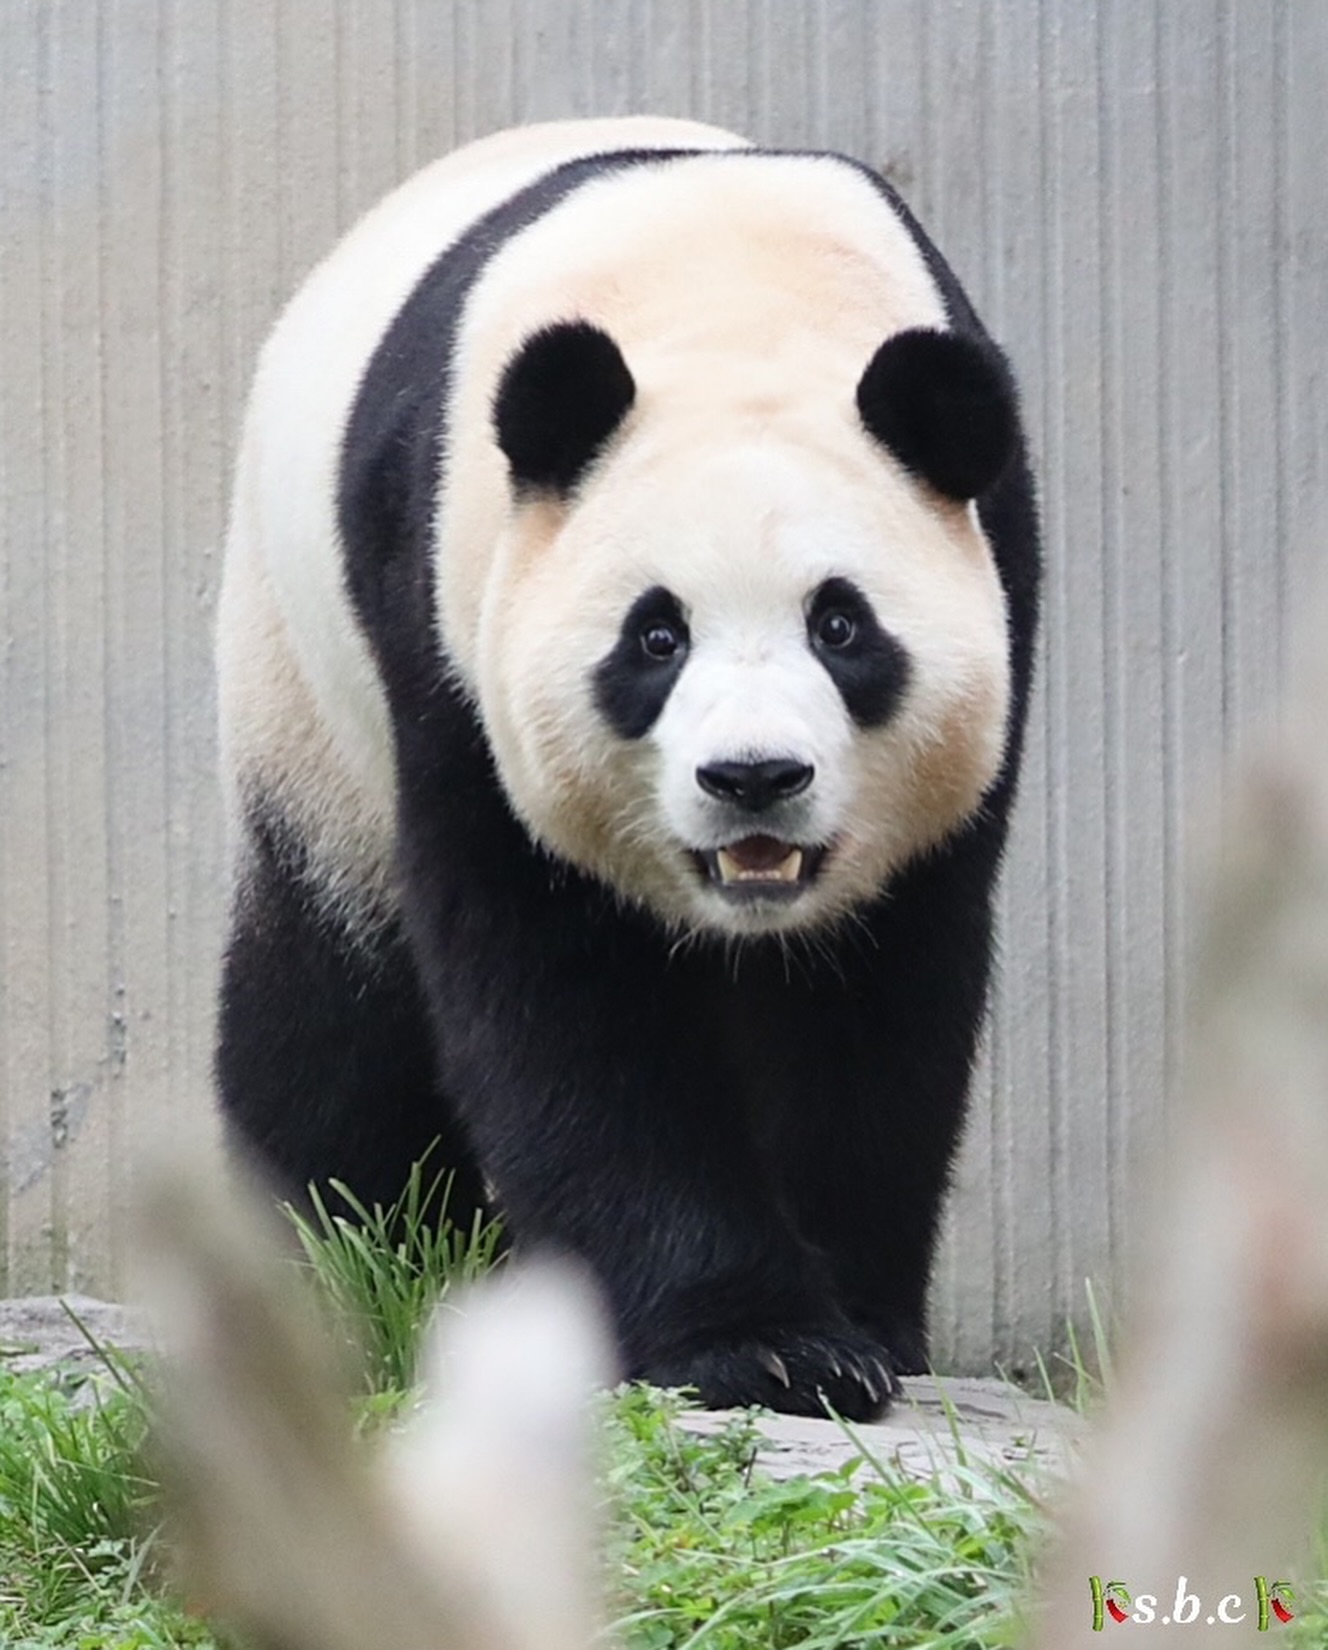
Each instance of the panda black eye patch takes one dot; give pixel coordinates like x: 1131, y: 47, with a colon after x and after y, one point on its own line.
x: 868, y: 666
x: 634, y: 680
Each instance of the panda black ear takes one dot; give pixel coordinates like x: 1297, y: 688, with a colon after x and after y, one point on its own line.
x: 562, y: 395
x: 945, y: 406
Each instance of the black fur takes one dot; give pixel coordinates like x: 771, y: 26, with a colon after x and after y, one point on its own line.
x: 871, y: 669
x: 561, y: 397
x: 944, y: 406
x: 631, y: 686
x: 324, y: 1056
x: 751, y: 1153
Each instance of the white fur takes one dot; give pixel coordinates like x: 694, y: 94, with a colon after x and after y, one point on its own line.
x: 747, y: 297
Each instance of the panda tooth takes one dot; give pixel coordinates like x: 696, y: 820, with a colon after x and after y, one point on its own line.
x: 789, y: 868
x: 729, y: 869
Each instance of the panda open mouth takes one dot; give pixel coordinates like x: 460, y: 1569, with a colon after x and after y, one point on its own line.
x: 760, y: 865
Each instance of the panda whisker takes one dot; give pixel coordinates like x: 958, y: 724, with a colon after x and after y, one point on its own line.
x: 855, y: 928
x: 689, y: 939
x: 821, y: 947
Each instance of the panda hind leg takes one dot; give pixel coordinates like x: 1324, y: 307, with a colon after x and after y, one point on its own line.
x: 325, y: 1063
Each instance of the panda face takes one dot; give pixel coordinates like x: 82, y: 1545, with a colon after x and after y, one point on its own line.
x: 755, y: 721
x: 743, y: 688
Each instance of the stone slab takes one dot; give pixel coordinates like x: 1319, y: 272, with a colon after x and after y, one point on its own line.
x: 938, y: 1424
x: 43, y: 1332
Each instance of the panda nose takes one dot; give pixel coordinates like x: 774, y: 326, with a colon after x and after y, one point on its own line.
x: 754, y: 786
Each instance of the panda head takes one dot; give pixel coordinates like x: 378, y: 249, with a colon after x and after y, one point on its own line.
x: 744, y: 655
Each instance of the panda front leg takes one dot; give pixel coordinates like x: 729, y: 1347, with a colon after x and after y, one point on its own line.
x: 603, y: 1111
x: 879, y: 1042
x: 869, y: 1181
x: 603, y: 1141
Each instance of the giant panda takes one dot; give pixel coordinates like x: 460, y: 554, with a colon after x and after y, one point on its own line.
x: 624, y: 650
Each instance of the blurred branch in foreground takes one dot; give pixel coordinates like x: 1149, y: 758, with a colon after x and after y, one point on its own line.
x: 471, y: 1530
x: 1211, y: 1463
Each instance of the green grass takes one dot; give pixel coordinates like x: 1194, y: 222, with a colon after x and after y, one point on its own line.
x: 710, y: 1555
x: 78, y: 1543
x: 703, y: 1551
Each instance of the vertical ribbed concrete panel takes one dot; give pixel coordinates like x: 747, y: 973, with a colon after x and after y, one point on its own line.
x: 1134, y: 194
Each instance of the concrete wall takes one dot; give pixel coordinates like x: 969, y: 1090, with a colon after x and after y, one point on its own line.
x: 1135, y: 195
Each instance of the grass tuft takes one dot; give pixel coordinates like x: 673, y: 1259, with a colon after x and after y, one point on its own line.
x: 383, y: 1270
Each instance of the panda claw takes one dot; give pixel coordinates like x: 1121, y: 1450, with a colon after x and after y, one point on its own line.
x: 824, y: 1371
x: 777, y: 1367
x: 876, y: 1378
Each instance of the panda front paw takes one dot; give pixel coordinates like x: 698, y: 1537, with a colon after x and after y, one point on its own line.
x: 796, y: 1372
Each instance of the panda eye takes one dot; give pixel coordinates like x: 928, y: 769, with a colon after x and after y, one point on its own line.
x: 660, y: 641
x: 835, y: 629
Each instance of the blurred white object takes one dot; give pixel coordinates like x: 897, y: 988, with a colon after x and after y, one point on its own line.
x: 492, y: 1478
x: 472, y: 1530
